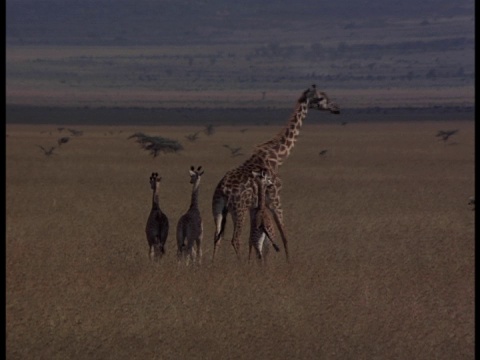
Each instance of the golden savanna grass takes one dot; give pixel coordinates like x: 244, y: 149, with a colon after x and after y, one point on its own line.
x: 381, y: 244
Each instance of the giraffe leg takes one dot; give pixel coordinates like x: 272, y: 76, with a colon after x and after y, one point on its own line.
x: 238, y: 221
x: 265, y: 251
x: 259, y: 246
x: 157, y: 252
x: 199, y: 251
x: 250, y: 245
x: 192, y: 254
x: 270, y: 233
x: 278, y: 217
x: 275, y: 246
x: 275, y: 207
x: 180, y: 253
x: 151, y: 253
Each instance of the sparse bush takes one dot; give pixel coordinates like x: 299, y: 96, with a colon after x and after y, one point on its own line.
x: 156, y: 144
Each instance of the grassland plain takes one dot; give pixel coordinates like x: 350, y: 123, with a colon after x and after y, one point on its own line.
x: 381, y: 243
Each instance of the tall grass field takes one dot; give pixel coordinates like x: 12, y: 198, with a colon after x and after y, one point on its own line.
x: 381, y: 241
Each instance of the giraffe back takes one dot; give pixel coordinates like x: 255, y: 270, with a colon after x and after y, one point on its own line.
x: 157, y: 226
x: 239, y: 188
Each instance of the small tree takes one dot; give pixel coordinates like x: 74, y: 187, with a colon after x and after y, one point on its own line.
x: 156, y: 144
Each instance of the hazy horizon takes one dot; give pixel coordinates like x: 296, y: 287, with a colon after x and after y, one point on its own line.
x: 230, y: 54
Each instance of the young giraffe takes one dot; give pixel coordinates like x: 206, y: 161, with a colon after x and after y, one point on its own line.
x: 236, y: 191
x: 261, y: 221
x: 190, y: 224
x: 157, y: 223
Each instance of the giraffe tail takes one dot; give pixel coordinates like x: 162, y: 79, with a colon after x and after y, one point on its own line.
x: 275, y: 246
x: 220, y: 228
x: 279, y: 224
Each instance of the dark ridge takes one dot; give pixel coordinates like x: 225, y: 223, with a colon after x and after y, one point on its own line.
x: 17, y: 114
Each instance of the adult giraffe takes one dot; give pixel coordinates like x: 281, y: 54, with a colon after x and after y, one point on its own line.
x: 236, y: 193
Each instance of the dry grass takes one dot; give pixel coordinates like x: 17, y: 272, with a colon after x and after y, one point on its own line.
x: 381, y: 241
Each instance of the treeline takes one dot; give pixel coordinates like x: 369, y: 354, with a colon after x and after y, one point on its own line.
x: 343, y: 49
x: 220, y: 116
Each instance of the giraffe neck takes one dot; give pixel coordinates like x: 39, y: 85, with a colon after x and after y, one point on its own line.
x: 194, y: 201
x: 275, y: 151
x: 155, y: 199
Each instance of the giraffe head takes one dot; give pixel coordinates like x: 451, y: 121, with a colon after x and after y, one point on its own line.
x: 195, y: 175
x: 155, y: 181
x: 319, y: 100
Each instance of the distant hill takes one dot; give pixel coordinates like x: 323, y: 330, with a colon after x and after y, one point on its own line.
x: 225, y: 116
